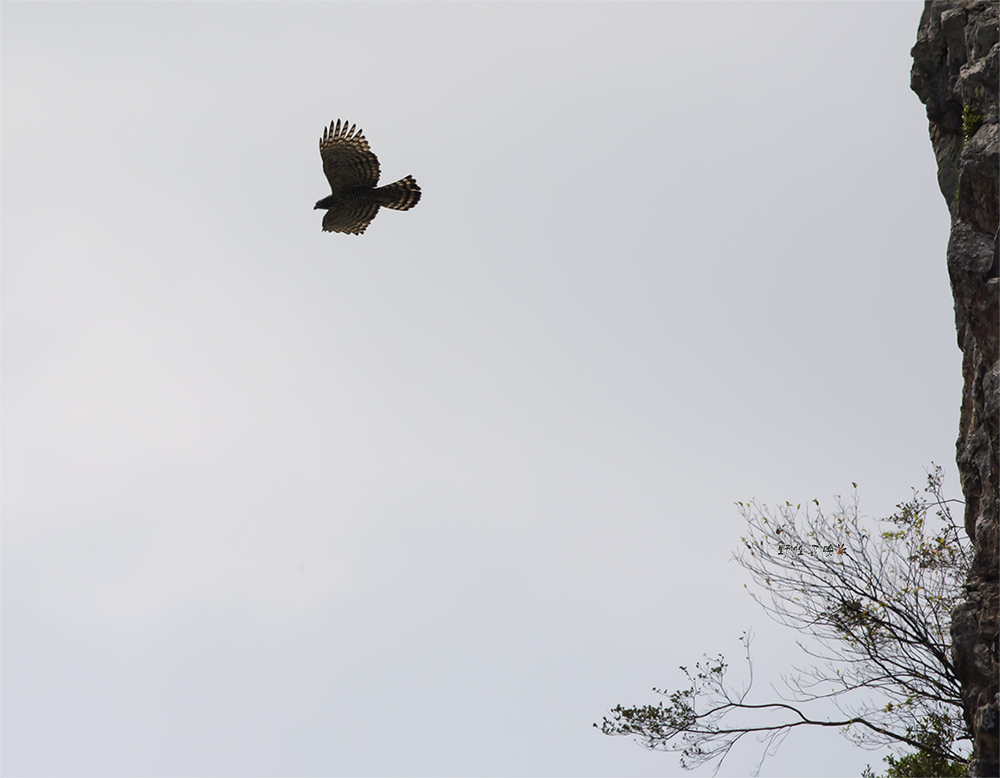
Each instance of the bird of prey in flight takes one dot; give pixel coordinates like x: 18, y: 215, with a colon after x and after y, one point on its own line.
x: 352, y: 170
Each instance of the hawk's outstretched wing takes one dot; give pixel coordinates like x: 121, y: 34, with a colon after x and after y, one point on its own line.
x: 347, y: 161
x: 352, y: 219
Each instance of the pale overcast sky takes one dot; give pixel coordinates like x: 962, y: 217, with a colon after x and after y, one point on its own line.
x: 431, y: 500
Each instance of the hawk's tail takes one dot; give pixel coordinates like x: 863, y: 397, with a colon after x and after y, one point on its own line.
x: 401, y: 196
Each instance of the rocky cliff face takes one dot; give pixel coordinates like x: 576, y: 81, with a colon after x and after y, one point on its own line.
x: 955, y: 74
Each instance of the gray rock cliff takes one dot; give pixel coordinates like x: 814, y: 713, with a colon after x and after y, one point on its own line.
x: 956, y: 61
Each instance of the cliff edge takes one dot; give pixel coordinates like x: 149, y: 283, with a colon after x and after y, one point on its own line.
x: 956, y: 61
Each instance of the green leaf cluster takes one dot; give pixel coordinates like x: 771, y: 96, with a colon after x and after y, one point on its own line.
x: 935, y: 736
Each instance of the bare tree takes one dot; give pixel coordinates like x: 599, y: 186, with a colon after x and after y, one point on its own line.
x: 877, y: 606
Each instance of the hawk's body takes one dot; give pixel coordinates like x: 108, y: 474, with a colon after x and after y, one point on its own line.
x: 352, y: 170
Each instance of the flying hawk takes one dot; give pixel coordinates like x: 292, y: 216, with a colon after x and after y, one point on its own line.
x: 352, y: 170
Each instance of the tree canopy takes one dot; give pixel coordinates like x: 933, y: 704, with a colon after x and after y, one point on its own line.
x: 875, y: 602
